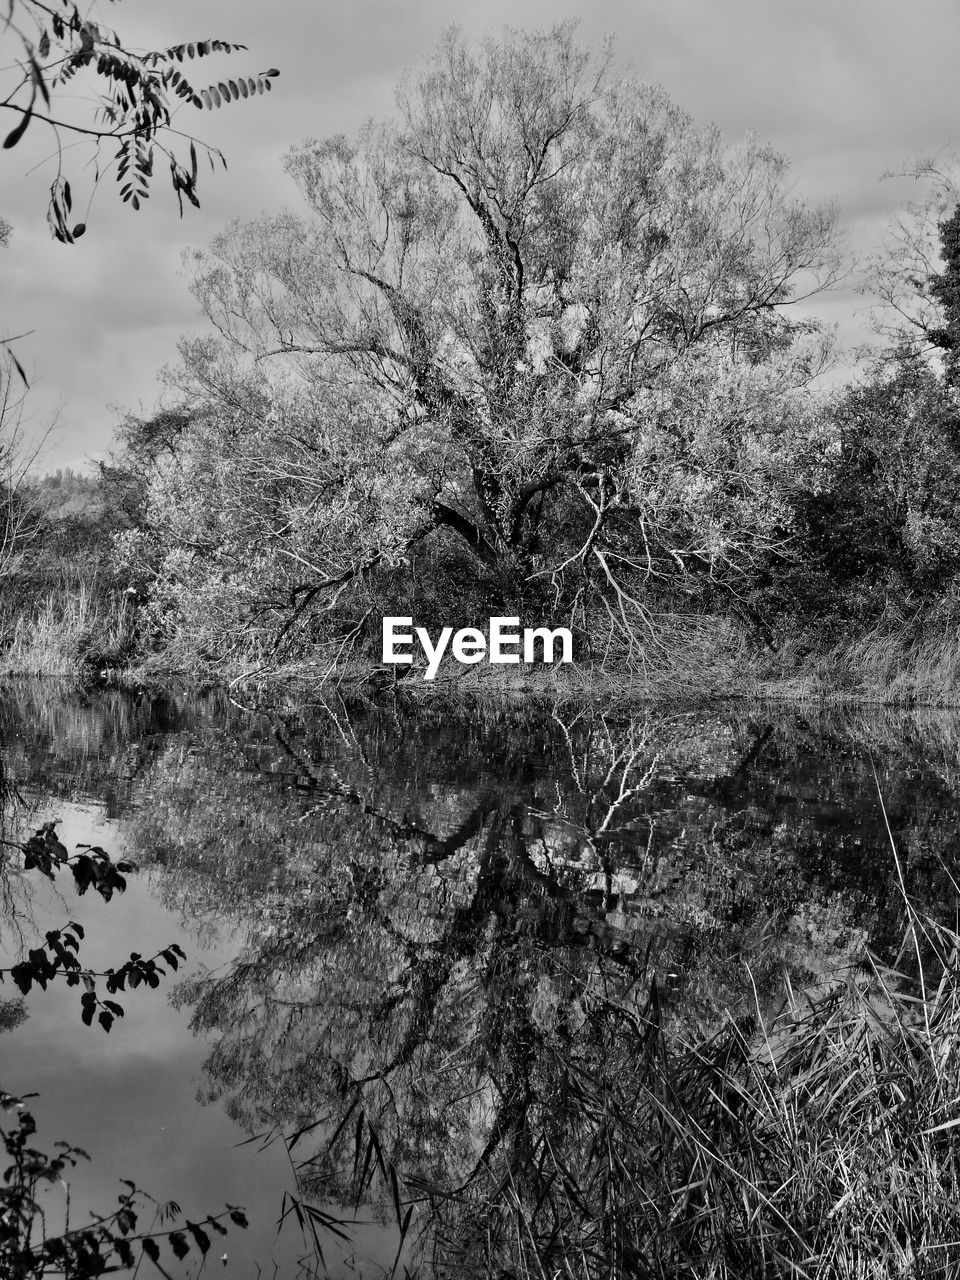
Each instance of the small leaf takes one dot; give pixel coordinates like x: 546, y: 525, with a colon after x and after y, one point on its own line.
x: 178, y: 1243
x: 201, y: 1237
x: 17, y: 132
x: 22, y: 975
x: 37, y: 77
x: 18, y: 366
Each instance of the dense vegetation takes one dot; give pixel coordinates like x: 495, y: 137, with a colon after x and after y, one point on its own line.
x: 529, y: 349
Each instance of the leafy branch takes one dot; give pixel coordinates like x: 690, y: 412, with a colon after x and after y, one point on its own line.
x: 137, y: 95
x: 93, y: 868
x: 111, y: 1243
x: 114, y: 1241
x: 58, y: 958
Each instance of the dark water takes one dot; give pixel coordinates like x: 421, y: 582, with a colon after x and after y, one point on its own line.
x: 405, y: 927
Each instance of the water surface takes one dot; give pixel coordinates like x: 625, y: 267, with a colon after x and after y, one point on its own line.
x: 410, y: 931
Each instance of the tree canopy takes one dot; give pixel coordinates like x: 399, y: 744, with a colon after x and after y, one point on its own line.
x: 538, y: 319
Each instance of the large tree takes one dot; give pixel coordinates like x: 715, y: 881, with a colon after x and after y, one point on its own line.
x: 542, y: 311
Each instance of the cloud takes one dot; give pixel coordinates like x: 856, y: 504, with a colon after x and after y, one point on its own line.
x: 846, y: 91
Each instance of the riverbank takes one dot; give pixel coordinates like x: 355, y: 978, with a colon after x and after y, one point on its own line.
x: 710, y: 660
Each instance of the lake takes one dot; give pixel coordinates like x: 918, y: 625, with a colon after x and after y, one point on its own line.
x: 421, y: 941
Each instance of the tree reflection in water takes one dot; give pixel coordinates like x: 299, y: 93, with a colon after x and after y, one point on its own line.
x: 462, y: 943
x: 466, y: 936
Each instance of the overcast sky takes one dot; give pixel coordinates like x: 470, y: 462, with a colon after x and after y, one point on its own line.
x: 846, y: 89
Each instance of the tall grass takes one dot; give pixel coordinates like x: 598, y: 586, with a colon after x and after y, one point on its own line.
x: 821, y: 1142
x: 697, y: 658
x: 68, y: 633
x: 891, y: 663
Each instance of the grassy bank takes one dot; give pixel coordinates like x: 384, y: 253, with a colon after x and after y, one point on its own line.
x: 80, y: 633
x: 714, y: 660
x: 709, y: 659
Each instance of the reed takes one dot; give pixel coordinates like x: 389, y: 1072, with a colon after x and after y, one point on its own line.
x: 819, y: 1138
x: 69, y: 633
x: 822, y: 1141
